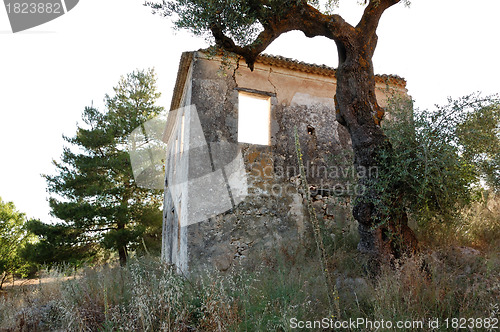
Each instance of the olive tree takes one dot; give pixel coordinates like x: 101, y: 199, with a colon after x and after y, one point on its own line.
x: 442, y: 159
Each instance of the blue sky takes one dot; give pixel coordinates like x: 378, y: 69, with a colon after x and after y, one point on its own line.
x: 48, y: 74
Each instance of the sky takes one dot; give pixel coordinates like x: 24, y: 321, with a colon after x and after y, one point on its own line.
x: 49, y: 73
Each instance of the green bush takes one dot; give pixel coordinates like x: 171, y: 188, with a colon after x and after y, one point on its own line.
x: 439, y: 158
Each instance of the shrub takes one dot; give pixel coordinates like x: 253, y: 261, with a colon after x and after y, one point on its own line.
x: 435, y: 168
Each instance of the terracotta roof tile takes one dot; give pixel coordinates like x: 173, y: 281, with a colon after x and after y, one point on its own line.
x: 280, y: 61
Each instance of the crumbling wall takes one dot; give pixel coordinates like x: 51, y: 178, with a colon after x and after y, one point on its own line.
x: 273, y: 213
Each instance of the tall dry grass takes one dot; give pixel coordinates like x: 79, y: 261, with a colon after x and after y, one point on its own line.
x: 460, y: 278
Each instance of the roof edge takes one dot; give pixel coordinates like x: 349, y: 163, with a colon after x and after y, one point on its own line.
x: 293, y: 64
x: 271, y: 60
x: 182, y: 73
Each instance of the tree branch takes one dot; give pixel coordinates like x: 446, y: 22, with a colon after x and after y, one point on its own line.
x: 298, y: 16
x: 371, y: 16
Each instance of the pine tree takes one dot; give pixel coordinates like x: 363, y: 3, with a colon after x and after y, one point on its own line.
x: 95, y: 187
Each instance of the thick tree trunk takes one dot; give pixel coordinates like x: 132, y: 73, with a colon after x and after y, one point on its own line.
x: 2, y: 279
x: 122, y: 253
x: 122, y: 247
x: 359, y: 112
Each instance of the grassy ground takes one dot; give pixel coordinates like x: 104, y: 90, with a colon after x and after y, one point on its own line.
x: 457, y: 275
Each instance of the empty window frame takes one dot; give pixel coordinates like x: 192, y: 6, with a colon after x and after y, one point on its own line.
x: 254, y: 118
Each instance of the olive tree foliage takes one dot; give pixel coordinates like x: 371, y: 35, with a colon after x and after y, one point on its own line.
x: 478, y: 136
x: 247, y: 27
x: 441, y: 159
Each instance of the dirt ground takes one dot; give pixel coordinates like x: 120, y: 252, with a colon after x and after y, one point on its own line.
x: 18, y: 284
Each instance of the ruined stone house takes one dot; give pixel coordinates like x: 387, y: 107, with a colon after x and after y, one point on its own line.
x: 232, y: 185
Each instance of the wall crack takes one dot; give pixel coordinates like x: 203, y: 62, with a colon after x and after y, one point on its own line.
x: 269, y: 79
